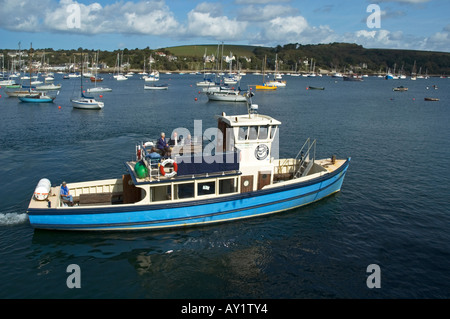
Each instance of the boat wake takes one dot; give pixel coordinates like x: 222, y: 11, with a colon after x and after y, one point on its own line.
x: 12, y: 219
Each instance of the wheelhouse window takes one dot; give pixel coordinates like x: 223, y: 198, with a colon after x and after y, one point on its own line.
x: 243, y: 132
x: 263, y: 132
x: 253, y: 133
x: 273, y: 131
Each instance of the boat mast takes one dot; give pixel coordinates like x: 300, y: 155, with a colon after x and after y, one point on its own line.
x: 81, y: 77
x: 31, y: 62
x: 96, y: 69
x: 264, y: 69
x: 144, y: 65
x: 221, y: 58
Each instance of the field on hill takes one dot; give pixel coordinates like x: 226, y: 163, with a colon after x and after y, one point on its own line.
x: 212, y: 49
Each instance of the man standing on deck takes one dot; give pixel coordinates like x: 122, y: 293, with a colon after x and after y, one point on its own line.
x: 65, y: 193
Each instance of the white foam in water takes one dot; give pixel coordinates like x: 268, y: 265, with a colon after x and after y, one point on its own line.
x: 12, y: 218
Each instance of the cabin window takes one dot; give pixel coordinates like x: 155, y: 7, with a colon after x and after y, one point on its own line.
x: 206, y: 188
x: 253, y: 133
x: 227, y: 186
x: 159, y: 193
x: 243, y: 131
x: 263, y: 132
x: 185, y: 190
x: 273, y: 132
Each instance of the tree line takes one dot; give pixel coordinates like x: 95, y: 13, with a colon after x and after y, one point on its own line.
x: 339, y: 57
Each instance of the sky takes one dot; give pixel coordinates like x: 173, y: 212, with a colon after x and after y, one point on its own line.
x: 118, y: 24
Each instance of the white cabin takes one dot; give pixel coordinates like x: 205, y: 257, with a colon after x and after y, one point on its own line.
x: 255, y: 136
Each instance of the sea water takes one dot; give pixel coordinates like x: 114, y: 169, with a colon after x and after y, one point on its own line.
x: 392, y: 210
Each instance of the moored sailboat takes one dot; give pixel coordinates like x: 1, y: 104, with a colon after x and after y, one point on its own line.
x: 226, y: 95
x: 33, y: 96
x: 85, y: 102
x: 98, y: 89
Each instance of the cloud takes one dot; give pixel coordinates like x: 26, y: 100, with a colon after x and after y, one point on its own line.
x: 266, y: 22
x: 404, y: 1
x: 264, y: 13
x: 22, y: 15
x: 259, y: 1
x: 326, y: 8
x: 205, y: 24
x: 294, y: 29
x: 149, y: 17
x: 439, y: 41
x: 286, y: 27
x: 379, y: 38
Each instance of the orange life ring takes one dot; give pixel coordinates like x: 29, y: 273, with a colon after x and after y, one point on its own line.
x: 164, y: 163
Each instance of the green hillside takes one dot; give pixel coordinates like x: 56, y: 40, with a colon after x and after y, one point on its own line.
x: 327, y: 57
x: 342, y: 57
x: 211, y: 49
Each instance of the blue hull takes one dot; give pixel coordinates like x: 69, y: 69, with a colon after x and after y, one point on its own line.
x: 190, y: 213
x: 32, y: 100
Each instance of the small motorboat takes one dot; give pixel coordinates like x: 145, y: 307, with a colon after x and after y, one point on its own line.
x: 266, y: 86
x: 96, y: 79
x: 48, y: 87
x: 315, y: 88
x: 99, y: 90
x: 40, y: 97
x: 156, y: 87
x: 355, y: 78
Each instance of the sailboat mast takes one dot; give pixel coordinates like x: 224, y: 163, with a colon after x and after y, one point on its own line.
x: 81, y: 77
x: 264, y: 69
x: 221, y: 58
x: 31, y: 62
x: 96, y: 69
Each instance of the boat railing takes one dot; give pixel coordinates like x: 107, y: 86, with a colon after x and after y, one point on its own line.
x: 302, y: 161
x: 151, y: 163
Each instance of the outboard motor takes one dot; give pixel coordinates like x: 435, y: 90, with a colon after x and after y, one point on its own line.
x: 42, y: 189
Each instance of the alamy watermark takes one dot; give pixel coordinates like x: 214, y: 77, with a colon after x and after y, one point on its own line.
x: 374, y: 19
x: 73, y: 20
x: 374, y: 279
x: 74, y: 279
x: 214, y: 145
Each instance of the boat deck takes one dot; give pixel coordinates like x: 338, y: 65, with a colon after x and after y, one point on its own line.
x: 329, y: 165
x: 53, y: 199
x: 155, y: 176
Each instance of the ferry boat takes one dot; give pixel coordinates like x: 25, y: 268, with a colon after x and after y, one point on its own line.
x: 242, y: 179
